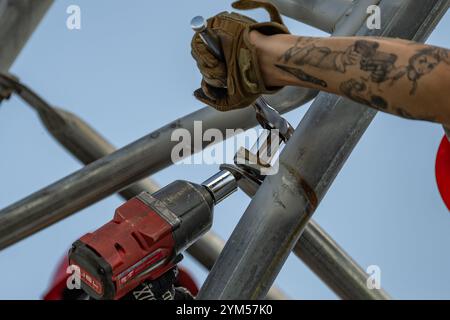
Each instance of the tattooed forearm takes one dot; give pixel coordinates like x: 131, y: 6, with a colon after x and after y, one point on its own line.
x: 302, y: 75
x: 377, y: 64
x: 358, y: 91
x: 391, y: 75
x: 371, y: 60
x: 380, y: 65
x: 320, y: 57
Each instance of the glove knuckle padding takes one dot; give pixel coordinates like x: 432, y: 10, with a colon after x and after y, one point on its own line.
x: 240, y: 71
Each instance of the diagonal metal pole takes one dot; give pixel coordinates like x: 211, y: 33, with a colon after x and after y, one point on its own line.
x: 128, y: 165
x: 87, y: 145
x: 206, y: 251
x: 18, y: 19
x: 120, y: 169
x: 74, y: 127
x: 330, y: 262
x: 324, y: 257
x: 338, y: 17
x: 334, y: 266
x: 279, y: 212
x: 67, y: 129
x: 73, y: 133
x: 320, y: 14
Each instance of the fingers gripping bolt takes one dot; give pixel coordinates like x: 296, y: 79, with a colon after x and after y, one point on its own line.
x: 200, y: 26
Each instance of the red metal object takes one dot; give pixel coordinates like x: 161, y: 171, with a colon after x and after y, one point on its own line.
x: 443, y: 170
x: 58, y: 283
x: 135, y: 246
x: 185, y: 280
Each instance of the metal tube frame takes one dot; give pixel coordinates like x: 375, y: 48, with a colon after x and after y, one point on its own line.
x: 18, y: 19
x: 279, y: 212
x: 285, y: 101
x: 320, y: 14
x: 87, y: 145
x: 128, y: 165
x: 50, y: 119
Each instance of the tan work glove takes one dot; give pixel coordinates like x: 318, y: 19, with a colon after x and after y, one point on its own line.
x: 236, y: 82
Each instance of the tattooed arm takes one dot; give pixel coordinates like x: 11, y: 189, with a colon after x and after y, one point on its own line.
x: 404, y: 78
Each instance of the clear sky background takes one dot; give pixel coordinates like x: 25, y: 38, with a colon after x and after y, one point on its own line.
x: 129, y: 71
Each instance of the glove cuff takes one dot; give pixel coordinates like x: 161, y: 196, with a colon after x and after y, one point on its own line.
x: 249, y: 65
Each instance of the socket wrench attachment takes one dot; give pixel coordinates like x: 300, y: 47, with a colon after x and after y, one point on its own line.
x: 221, y: 185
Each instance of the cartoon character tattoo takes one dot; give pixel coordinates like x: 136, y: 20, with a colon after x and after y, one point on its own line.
x: 421, y: 64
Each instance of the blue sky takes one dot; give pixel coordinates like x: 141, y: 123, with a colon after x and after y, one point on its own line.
x: 129, y: 71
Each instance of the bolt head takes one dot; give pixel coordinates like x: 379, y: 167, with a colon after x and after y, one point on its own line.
x: 198, y: 24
